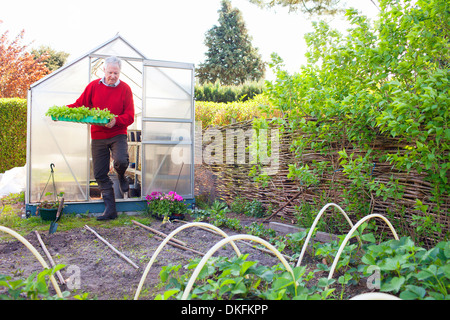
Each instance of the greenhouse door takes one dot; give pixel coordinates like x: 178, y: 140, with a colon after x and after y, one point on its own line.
x: 168, y: 128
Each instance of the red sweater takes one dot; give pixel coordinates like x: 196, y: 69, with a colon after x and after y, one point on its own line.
x: 119, y: 101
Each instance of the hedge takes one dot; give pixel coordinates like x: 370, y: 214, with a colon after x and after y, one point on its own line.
x: 217, y: 93
x: 13, y: 133
x: 219, y: 113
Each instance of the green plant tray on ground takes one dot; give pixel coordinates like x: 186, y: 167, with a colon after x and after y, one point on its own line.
x: 86, y: 120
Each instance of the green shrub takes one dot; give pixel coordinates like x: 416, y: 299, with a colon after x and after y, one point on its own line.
x: 255, y: 209
x: 13, y: 133
x: 381, y: 81
x: 238, y: 205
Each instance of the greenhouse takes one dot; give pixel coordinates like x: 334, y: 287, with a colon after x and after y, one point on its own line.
x: 160, y: 141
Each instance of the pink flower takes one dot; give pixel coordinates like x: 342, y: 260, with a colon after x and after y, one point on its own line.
x: 153, y: 196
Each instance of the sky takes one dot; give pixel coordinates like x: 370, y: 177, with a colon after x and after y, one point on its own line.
x: 172, y: 30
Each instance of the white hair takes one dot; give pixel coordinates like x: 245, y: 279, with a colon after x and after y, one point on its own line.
x: 113, y: 60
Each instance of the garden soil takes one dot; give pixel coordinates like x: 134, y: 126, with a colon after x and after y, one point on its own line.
x: 104, y: 275
x: 102, y: 272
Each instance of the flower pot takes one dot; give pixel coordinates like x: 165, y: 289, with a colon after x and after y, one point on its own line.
x: 156, y: 215
x: 134, y: 192
x: 178, y: 216
x: 48, y: 214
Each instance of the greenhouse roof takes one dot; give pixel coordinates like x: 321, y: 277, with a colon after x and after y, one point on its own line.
x: 116, y: 46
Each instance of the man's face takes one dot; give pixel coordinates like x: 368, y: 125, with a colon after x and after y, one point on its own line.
x: 112, y: 73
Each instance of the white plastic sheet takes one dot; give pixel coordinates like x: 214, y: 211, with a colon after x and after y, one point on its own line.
x: 13, y: 181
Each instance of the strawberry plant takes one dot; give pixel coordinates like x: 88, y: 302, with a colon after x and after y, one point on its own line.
x: 225, y: 278
x: 410, y: 271
x: 35, y: 287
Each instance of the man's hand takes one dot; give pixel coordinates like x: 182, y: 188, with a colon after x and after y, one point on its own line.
x: 111, y: 124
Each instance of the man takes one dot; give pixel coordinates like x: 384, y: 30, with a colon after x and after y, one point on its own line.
x: 110, y: 139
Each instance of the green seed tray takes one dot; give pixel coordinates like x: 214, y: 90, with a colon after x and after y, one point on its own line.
x: 86, y: 120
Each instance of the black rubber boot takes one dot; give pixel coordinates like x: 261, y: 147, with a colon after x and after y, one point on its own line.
x: 123, y: 183
x: 110, y: 212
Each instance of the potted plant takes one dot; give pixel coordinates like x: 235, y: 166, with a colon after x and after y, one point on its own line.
x: 48, y: 209
x: 166, y: 205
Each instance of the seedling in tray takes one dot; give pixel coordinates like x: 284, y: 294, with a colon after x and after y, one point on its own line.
x: 80, y: 114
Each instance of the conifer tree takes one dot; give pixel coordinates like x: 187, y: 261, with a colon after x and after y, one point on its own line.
x: 231, y: 59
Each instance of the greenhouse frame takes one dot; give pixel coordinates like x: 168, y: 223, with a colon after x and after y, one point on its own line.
x: 160, y: 141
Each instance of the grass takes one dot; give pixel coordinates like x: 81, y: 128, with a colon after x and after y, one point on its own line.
x: 11, y: 218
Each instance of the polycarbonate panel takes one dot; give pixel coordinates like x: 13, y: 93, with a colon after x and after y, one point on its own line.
x: 168, y: 108
x: 131, y: 74
x: 167, y: 168
x: 71, y: 80
x: 168, y: 93
x: 66, y: 145
x: 168, y: 117
x: 119, y: 48
x: 167, y: 131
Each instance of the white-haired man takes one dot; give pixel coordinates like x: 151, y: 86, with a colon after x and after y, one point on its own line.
x: 111, y: 139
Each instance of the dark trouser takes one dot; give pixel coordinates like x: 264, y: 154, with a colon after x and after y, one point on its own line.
x: 102, y: 151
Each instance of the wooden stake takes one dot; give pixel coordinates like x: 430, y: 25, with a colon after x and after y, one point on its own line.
x: 283, y: 206
x: 240, y: 241
x: 58, y: 274
x: 159, y: 233
x: 181, y: 247
x: 111, y: 247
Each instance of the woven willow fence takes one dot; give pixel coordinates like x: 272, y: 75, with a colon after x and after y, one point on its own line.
x: 232, y: 180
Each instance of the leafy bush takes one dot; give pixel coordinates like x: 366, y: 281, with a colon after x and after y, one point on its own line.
x: 238, y: 205
x: 13, y: 133
x: 253, y: 208
x: 388, y: 79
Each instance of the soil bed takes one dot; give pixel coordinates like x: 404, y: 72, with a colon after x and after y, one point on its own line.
x: 107, y: 276
x: 103, y: 273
